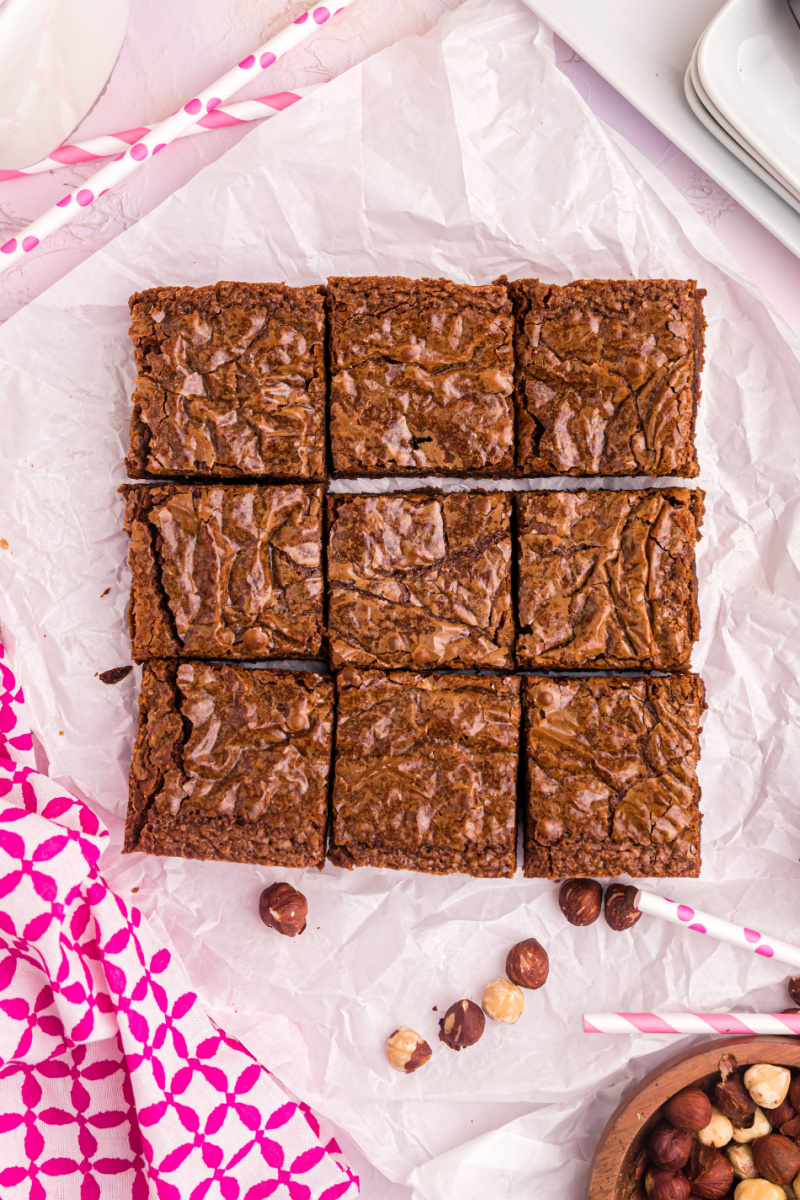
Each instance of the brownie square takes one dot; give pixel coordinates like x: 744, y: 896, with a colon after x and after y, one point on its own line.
x: 231, y: 382
x: 606, y: 579
x: 611, y: 783
x: 420, y: 579
x: 231, y: 763
x: 225, y: 571
x: 426, y: 772
x: 608, y: 376
x: 422, y: 374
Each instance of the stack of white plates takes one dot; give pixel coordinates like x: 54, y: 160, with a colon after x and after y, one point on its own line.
x: 743, y: 83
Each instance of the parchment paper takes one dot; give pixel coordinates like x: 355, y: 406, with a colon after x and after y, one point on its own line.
x: 463, y: 153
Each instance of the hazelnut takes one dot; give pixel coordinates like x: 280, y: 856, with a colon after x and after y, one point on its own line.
x: 793, y: 987
x: 527, y: 964
x: 777, y: 1158
x: 503, y: 1001
x: 709, y: 1172
x: 581, y: 900
x: 462, y: 1025
x: 666, y: 1185
x: 790, y: 1128
x: 718, y: 1132
x: 668, y: 1147
x: 758, y: 1189
x: 741, y: 1159
x: 619, y: 911
x: 735, y: 1102
x: 406, y: 1050
x: 767, y: 1085
x: 760, y: 1128
x: 283, y: 908
x: 689, y: 1110
x: 780, y: 1115
x: 794, y: 1093
x: 796, y: 1186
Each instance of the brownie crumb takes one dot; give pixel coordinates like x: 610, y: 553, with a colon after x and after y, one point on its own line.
x: 105, y: 593
x: 115, y: 675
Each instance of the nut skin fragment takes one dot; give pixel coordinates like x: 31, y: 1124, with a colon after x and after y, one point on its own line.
x: 503, y: 1001
x: 689, y: 1110
x: 776, y: 1158
x: 758, y: 1189
x: 406, y: 1051
x: 760, y: 1128
x: 767, y: 1084
x: 666, y: 1185
x: 462, y: 1025
x: 527, y: 964
x: 718, y: 1132
x: 618, y: 908
x: 581, y: 901
x: 283, y: 908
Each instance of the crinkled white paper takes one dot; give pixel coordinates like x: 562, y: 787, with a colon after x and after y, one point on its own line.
x: 462, y: 153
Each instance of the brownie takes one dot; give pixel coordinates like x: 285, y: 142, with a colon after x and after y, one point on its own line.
x: 231, y: 382
x: 422, y: 374
x: 225, y: 571
x: 426, y: 772
x: 608, y: 376
x: 611, y: 782
x: 606, y: 579
x: 231, y: 763
x: 420, y: 579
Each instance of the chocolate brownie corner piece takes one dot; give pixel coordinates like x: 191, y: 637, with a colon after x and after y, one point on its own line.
x: 225, y: 571
x: 231, y: 763
x: 606, y: 578
x: 421, y: 377
x: 420, y: 580
x: 230, y: 383
x: 608, y: 376
x: 611, y: 783
x: 426, y: 772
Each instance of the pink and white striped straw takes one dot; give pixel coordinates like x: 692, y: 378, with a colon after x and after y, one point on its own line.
x: 109, y: 144
x: 717, y: 927
x: 667, y: 1022
x: 166, y: 131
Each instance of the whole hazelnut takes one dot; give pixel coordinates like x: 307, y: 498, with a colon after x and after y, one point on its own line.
x: 581, y: 900
x: 618, y: 910
x: 503, y: 1001
x: 767, y: 1084
x: 794, y: 1093
x: 666, y: 1185
x: 758, y: 1189
x: 406, y: 1050
x: 735, y: 1102
x: 718, y: 1132
x: 282, y: 907
x: 689, y: 1110
x: 780, y: 1115
x: 709, y: 1172
x: 741, y: 1159
x: 527, y: 964
x: 462, y: 1025
x: 760, y: 1128
x: 793, y: 987
x: 668, y: 1147
x: 777, y: 1158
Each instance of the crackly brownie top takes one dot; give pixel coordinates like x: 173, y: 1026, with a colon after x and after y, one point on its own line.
x: 418, y: 579
x: 232, y: 571
x: 426, y: 761
x: 608, y: 375
x: 422, y: 375
x: 606, y: 578
x: 613, y: 759
x: 231, y: 380
x: 257, y: 742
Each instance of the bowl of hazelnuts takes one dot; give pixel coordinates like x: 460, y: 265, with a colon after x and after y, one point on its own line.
x: 718, y: 1122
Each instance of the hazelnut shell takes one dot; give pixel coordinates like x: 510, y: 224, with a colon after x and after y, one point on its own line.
x: 462, y: 1025
x: 282, y: 907
x: 581, y: 901
x: 527, y: 964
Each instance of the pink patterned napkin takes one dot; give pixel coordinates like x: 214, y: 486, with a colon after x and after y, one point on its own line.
x: 114, y: 1082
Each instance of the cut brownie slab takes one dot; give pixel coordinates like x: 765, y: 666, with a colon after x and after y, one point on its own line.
x: 426, y: 772
x: 606, y: 579
x: 611, y: 776
x: 231, y: 382
x: 420, y: 579
x: 231, y: 763
x: 608, y: 376
x: 421, y: 377
x: 225, y: 571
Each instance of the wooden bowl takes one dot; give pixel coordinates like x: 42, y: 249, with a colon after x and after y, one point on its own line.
x: 611, y: 1176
